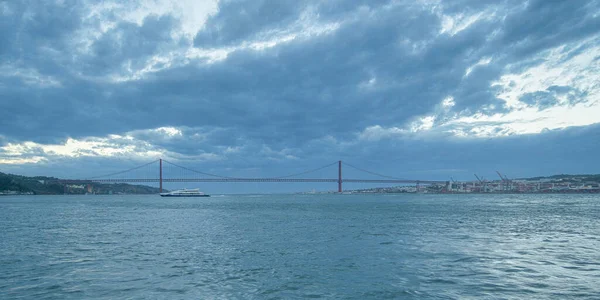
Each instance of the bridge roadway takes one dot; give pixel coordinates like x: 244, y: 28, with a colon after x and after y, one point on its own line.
x: 157, y: 180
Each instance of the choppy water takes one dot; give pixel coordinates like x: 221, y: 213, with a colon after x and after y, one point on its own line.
x: 293, y: 246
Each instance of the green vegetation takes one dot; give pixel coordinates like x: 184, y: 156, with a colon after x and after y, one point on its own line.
x: 41, y: 185
x: 23, y: 184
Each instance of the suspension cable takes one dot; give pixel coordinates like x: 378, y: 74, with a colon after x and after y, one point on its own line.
x: 191, y: 170
x: 306, y: 172
x: 121, y: 172
x: 372, y: 173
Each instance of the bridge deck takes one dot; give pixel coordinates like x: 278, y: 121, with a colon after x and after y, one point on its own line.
x: 331, y: 180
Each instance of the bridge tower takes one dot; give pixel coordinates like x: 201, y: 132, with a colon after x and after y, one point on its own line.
x: 160, y: 174
x: 339, y: 176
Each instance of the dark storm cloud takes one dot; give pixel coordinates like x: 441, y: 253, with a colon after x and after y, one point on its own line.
x: 550, y: 152
x: 527, y: 28
x: 39, y: 34
x: 130, y: 42
x: 549, y: 98
x: 238, y: 21
x: 27, y: 25
x: 74, y: 105
x: 384, y: 65
x: 6, y: 29
x: 191, y: 141
x: 313, y: 87
x: 544, y: 24
x: 323, y: 75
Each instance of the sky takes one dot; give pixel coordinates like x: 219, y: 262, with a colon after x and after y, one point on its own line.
x: 415, y: 89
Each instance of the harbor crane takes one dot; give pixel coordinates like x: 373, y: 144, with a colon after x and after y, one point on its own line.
x: 506, y: 183
x: 483, y: 182
x: 455, y: 184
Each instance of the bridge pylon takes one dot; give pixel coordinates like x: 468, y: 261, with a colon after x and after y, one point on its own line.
x: 160, y: 174
x: 339, y: 176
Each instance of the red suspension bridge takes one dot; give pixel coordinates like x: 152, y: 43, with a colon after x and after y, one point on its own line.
x: 165, y: 171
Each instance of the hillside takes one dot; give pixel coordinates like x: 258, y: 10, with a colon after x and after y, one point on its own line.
x: 40, y: 185
x: 566, y: 178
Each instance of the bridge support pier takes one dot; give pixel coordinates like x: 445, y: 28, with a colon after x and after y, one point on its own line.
x: 339, y: 176
x: 160, y: 174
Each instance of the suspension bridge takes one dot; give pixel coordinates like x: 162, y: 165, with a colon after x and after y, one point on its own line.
x: 162, y: 171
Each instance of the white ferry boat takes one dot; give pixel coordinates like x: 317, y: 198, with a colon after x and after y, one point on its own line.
x: 185, y: 193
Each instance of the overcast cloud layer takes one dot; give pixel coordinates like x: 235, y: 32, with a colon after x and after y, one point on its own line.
x: 415, y: 89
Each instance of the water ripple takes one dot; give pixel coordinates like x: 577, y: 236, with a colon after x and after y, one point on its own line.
x: 280, y: 247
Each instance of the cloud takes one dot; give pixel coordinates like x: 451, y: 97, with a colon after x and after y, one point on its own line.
x: 130, y: 46
x: 239, y: 21
x: 559, y: 91
x: 541, y: 24
x: 290, y: 80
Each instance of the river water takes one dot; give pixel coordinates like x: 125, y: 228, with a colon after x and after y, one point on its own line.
x: 300, y: 246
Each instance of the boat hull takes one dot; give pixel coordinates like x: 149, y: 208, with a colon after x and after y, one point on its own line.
x: 185, y: 195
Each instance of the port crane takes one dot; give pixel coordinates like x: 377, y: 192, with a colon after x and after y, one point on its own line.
x: 455, y: 183
x: 506, y: 183
x: 483, y: 182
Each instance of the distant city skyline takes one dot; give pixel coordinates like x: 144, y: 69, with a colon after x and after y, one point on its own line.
x: 411, y: 89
